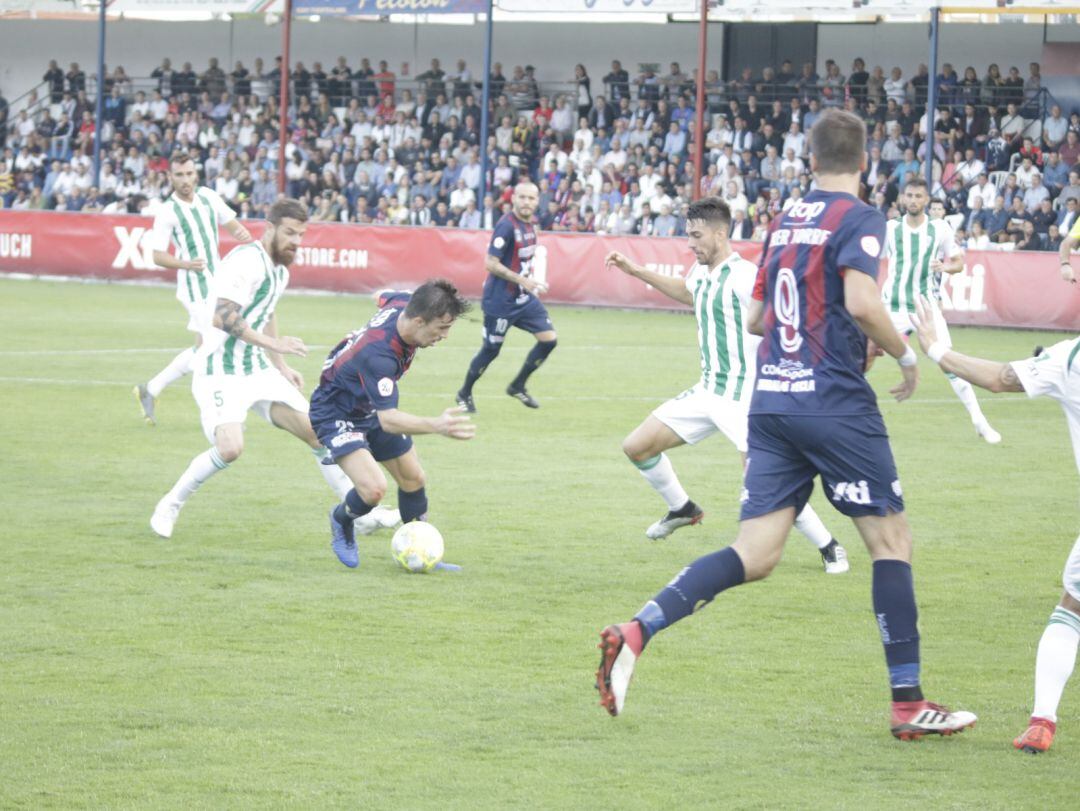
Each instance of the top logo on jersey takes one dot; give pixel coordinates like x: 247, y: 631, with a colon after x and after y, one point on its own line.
x: 805, y: 211
x: 499, y: 242
x: 870, y: 244
x: 386, y: 387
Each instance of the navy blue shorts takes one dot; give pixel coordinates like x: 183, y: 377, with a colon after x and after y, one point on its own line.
x: 342, y: 437
x: 850, y: 453
x: 532, y: 316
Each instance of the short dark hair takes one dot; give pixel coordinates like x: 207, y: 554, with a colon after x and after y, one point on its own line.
x: 287, y: 208
x: 711, y: 210
x: 180, y: 157
x: 917, y: 181
x: 435, y: 299
x: 838, y: 142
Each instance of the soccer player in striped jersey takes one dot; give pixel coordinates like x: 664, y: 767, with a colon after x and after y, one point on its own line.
x: 240, y: 366
x: 813, y: 414
x: 719, y: 288
x: 919, y: 249
x: 189, y: 220
x: 1054, y: 373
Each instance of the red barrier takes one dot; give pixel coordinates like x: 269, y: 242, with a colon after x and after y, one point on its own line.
x: 995, y: 289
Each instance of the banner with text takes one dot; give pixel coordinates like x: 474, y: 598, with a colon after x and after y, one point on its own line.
x: 994, y: 289
x: 388, y: 7
x: 604, y: 6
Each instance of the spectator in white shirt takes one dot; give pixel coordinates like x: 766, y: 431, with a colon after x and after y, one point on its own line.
x: 584, y: 133
x: 470, y: 172
x: 1054, y: 128
x: 461, y: 196
x: 648, y: 180
x: 554, y: 160
x: 970, y: 168
x: 735, y: 199
x: 1025, y: 173
x: 895, y: 87
x: 984, y: 189
x: 470, y: 217
x: 978, y: 241
x: 616, y: 156
x: 226, y: 186
x: 1035, y: 194
x: 795, y: 140
x: 562, y: 118
x: 792, y: 159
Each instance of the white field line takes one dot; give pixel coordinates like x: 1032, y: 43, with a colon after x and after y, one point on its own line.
x: 446, y: 395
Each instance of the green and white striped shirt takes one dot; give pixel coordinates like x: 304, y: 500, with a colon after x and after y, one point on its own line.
x: 721, y: 303
x: 192, y: 228
x: 250, y: 278
x: 910, y: 252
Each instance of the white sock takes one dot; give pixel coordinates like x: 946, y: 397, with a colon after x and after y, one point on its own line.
x: 1054, y: 661
x: 202, y: 467
x: 966, y: 392
x: 809, y: 523
x: 334, y: 475
x: 177, y: 368
x: 661, y: 475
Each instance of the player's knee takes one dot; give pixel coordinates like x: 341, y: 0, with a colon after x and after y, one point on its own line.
x: 635, y: 451
x: 416, y: 480
x: 230, y: 448
x: 372, y: 493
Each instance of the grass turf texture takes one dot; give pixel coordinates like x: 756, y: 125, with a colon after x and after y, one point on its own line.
x: 240, y: 664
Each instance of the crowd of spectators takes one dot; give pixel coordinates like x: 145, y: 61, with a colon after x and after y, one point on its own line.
x: 613, y: 156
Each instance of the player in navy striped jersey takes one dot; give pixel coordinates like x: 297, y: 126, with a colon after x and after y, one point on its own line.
x: 813, y: 414
x: 510, y: 298
x: 189, y: 220
x: 354, y: 409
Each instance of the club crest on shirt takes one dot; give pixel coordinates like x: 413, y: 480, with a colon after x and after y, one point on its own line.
x: 386, y: 387
x: 870, y: 244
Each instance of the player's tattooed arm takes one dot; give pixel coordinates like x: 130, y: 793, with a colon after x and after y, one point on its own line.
x: 227, y: 317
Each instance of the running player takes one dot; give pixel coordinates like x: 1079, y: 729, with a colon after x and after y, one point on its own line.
x: 355, y: 408
x: 812, y: 412
x: 240, y: 368
x: 189, y: 219
x: 510, y: 298
x: 719, y: 289
x: 919, y: 249
x: 1055, y: 373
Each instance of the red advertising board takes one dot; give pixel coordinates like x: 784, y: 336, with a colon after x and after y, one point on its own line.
x: 995, y: 289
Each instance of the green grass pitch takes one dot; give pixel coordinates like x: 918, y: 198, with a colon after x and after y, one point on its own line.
x: 240, y: 665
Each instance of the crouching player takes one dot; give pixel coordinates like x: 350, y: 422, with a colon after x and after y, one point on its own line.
x: 354, y: 409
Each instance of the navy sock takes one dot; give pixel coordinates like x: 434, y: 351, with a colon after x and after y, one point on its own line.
x: 488, y: 352
x: 692, y: 588
x: 412, y: 506
x: 352, y: 508
x: 537, y: 355
x: 897, y: 619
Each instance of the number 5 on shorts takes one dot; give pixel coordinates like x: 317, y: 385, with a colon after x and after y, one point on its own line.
x: 218, y: 401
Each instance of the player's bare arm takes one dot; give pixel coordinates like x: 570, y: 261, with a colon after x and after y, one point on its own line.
x: 863, y: 300
x: 755, y: 317
x: 238, y: 231
x: 987, y: 374
x: 954, y: 265
x: 164, y: 259
x: 287, y: 371
x: 452, y: 423
x: 671, y: 286
x: 497, y: 268
x: 228, y: 318
x: 1065, y: 256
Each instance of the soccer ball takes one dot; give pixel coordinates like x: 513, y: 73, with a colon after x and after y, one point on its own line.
x: 417, y: 547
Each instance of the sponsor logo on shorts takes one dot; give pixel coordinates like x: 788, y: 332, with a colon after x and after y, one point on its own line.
x: 346, y: 438
x: 897, y: 489
x: 851, y: 492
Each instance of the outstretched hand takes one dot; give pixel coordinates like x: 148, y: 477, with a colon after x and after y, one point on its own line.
x: 455, y: 424
x: 618, y: 260
x: 290, y: 346
x: 923, y: 321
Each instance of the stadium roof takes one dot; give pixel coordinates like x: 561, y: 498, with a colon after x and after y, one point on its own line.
x: 606, y: 11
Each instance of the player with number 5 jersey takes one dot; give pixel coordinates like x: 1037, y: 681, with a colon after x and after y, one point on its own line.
x: 813, y: 414
x: 240, y: 366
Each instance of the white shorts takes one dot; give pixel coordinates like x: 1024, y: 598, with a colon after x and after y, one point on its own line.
x: 902, y: 322
x: 697, y: 414
x: 225, y: 399
x: 1071, y: 577
x: 200, y: 314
